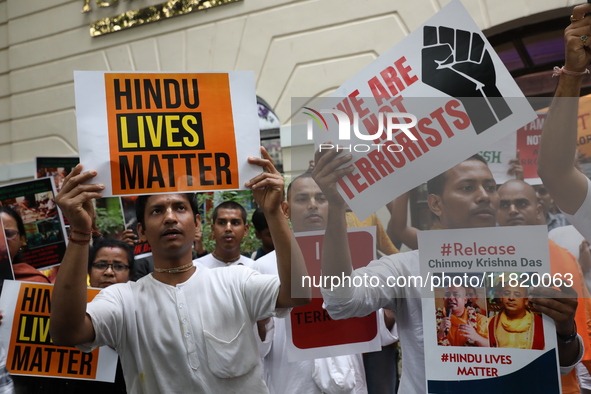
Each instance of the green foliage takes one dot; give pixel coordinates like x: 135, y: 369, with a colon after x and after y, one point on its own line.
x: 250, y: 242
x: 109, y: 221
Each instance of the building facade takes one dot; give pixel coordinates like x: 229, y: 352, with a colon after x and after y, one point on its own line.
x: 296, y: 48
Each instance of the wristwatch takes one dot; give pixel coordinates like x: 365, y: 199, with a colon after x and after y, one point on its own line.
x: 568, y: 338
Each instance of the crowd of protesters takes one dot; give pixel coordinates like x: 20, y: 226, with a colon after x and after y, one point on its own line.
x: 189, y: 319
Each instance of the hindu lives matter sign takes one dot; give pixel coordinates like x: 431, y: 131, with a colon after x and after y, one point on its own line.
x: 30, y: 349
x: 167, y: 132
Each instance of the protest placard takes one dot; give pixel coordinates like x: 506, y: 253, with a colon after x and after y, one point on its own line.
x: 141, y: 248
x: 167, y: 132
x: 6, y: 272
x: 58, y: 169
x: 584, y: 126
x: 34, y: 202
x: 25, y: 328
x: 108, y: 209
x: 437, y: 97
x: 476, y: 276
x: 55, y: 167
x: 311, y: 333
x: 498, y: 155
x: 528, y: 144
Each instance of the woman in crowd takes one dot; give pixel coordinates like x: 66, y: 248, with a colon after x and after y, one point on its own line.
x: 14, y: 230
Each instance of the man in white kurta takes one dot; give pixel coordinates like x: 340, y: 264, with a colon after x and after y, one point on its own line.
x: 228, y: 228
x: 209, y: 331
x: 208, y: 261
x: 182, y: 328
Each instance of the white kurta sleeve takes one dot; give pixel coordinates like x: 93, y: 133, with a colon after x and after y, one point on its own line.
x: 106, y: 313
x: 582, y: 218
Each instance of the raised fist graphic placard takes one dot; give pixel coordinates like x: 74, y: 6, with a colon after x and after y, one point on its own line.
x: 457, y: 63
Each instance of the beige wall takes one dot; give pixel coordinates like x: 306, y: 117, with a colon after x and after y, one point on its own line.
x: 295, y: 48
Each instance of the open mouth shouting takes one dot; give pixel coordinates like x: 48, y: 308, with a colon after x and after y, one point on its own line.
x: 172, y: 233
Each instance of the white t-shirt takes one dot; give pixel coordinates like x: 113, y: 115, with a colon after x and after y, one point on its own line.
x: 405, y: 302
x: 195, y: 337
x: 582, y: 218
x: 208, y: 261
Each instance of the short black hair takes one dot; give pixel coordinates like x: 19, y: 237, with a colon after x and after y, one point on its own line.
x: 111, y: 243
x: 437, y: 184
x: 229, y: 205
x: 141, y: 201
x: 307, y: 174
x: 258, y: 220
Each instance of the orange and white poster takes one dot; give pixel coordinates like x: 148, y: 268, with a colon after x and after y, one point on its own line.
x: 25, y: 328
x: 311, y: 332
x: 583, y: 126
x: 149, y: 133
x: 478, y: 280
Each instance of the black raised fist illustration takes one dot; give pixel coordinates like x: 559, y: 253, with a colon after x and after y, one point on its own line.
x: 456, y: 63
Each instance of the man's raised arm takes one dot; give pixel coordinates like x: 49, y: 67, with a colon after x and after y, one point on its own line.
x: 398, y: 228
x: 70, y: 325
x: 336, y: 257
x: 267, y: 190
x: 556, y: 162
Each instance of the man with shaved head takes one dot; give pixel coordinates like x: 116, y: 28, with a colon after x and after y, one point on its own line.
x: 455, y: 328
x: 519, y: 205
